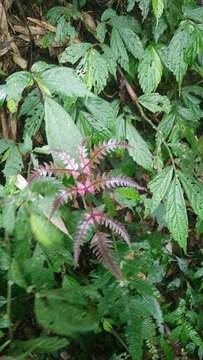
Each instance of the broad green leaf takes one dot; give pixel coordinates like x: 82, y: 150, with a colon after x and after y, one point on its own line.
x: 181, y: 50
x: 74, y: 52
x: 8, y: 216
x: 194, y: 14
x: 158, y: 7
x: 33, y: 111
x: 194, y: 192
x: 45, y: 232
x: 42, y: 344
x: 166, y: 124
x: 155, y: 102
x: 16, y: 83
x: 131, y: 4
x: 159, y: 186
x: 138, y: 148
x: 149, y: 70
x: 108, y: 14
x: 132, y: 42
x: 61, y: 131
x: 63, y: 81
x: 176, y: 214
x: 76, y: 312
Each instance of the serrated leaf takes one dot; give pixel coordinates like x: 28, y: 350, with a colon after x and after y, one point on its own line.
x: 61, y: 131
x: 181, y: 50
x: 118, y: 49
x: 138, y: 147
x: 14, y: 161
x: 33, y: 110
x: 149, y: 70
x: 176, y: 214
x: 108, y: 14
x: 159, y: 186
x: 132, y: 42
x: 8, y: 216
x: 110, y: 59
x: 74, y: 52
x: 99, y: 71
x: 102, y: 111
x: 194, y: 192
x: 63, y: 81
x: 155, y: 102
x: 158, y: 7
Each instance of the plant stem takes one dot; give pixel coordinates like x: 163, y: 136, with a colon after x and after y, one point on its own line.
x: 8, y: 308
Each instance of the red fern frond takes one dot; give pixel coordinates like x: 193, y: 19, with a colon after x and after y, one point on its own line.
x: 112, y: 182
x: 101, y: 246
x: 70, y: 164
x: 99, y: 152
x: 41, y: 171
x: 117, y: 227
x: 60, y: 199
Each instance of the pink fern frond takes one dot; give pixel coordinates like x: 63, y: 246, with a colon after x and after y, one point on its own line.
x: 84, y: 159
x: 70, y: 164
x: 60, y: 199
x: 117, y: 227
x: 112, y: 182
x: 41, y: 171
x: 99, y: 152
x: 101, y: 246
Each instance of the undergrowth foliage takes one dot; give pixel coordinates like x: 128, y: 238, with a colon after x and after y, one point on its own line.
x: 101, y: 155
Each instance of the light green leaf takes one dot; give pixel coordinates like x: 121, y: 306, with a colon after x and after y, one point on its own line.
x: 99, y: 71
x: 155, y: 102
x: 108, y: 14
x: 176, y: 214
x: 118, y: 49
x: 131, y: 4
x: 8, y: 216
x: 149, y: 70
x: 101, y: 32
x: 14, y: 161
x: 194, y: 14
x: 138, y: 147
x: 74, y: 52
x: 16, y: 83
x: 61, y: 131
x: 159, y: 186
x: 42, y: 344
x: 132, y: 42
x: 158, y: 7
x: 194, y: 192
x: 62, y: 81
x: 181, y: 50
x: 102, y: 110
x: 110, y: 59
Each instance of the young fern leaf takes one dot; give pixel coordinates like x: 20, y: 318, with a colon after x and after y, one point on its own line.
x: 60, y: 199
x: 117, y: 227
x: 112, y: 182
x: 49, y: 170
x: 99, y: 152
x: 70, y: 164
x: 84, y: 159
x: 101, y: 246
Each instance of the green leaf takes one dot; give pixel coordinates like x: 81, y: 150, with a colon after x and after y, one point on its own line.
x: 33, y: 110
x: 14, y: 162
x: 176, y: 214
x: 101, y: 32
x: 42, y: 344
x: 131, y: 4
x: 138, y: 147
x: 194, y: 192
x: 61, y: 131
x: 155, y: 102
x: 149, y: 70
x: 74, y: 52
x: 159, y: 186
x: 144, y: 7
x: 76, y: 313
x: 102, y: 111
x: 110, y: 59
x: 135, y: 338
x: 194, y: 14
x: 118, y: 49
x: 132, y: 42
x: 181, y: 50
x: 99, y: 70
x: 16, y: 83
x: 8, y: 216
x: 158, y: 7
x: 63, y: 81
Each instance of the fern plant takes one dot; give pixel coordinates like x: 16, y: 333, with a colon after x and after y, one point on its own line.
x: 88, y: 180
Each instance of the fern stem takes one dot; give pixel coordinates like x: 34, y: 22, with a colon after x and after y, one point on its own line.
x: 135, y: 100
x: 114, y: 332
